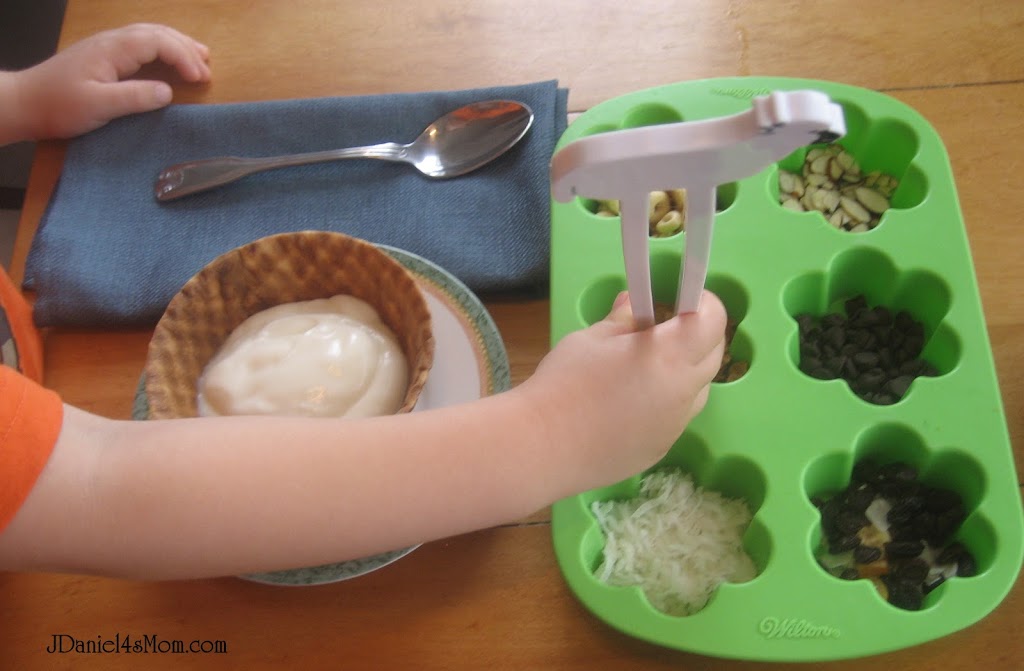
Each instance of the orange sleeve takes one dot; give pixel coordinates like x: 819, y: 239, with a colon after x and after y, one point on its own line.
x: 30, y: 421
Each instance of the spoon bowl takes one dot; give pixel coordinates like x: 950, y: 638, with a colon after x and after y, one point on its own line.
x: 459, y: 142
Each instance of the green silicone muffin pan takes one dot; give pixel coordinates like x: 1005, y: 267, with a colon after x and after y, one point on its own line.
x: 778, y: 438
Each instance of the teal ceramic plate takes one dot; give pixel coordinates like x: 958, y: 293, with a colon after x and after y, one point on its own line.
x: 470, y: 362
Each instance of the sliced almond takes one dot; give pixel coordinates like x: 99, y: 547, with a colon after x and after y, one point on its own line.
x: 820, y: 164
x: 814, y: 179
x: 788, y: 183
x: 855, y: 210
x: 831, y: 201
x: 872, y: 200
x: 793, y: 204
x: 814, y: 153
x: 835, y: 169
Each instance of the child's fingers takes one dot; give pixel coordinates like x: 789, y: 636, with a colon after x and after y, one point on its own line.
x: 144, y: 43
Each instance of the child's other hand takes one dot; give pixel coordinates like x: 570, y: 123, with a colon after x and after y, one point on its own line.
x: 619, y: 396
x: 81, y: 88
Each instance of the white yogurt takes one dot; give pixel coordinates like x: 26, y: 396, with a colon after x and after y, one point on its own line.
x: 331, y: 357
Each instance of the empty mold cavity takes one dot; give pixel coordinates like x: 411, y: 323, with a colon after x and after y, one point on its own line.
x: 932, y: 497
x: 878, y: 355
x: 597, y: 129
x: 596, y: 300
x: 651, y: 114
x: 733, y: 477
x: 882, y: 147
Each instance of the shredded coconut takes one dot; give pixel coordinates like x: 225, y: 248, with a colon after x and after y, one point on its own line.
x: 676, y: 541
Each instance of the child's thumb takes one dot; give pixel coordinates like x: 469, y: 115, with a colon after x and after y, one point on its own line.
x: 132, y: 96
x: 621, y: 313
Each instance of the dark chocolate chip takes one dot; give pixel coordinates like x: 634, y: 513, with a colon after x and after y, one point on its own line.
x: 855, y: 305
x: 866, y: 360
x: 899, y: 385
x: 832, y: 320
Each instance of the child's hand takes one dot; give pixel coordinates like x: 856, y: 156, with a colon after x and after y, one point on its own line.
x: 81, y: 88
x: 624, y: 395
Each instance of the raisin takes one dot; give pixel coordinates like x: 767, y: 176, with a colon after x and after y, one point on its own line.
x: 951, y: 554
x: 966, y: 565
x: 864, y: 471
x: 904, y: 549
x: 898, y: 470
x: 866, y: 554
x: 858, y: 499
x: 849, y: 574
x: 937, y: 499
x: 850, y: 522
x: 844, y: 543
x: 913, y: 569
x: 905, y: 594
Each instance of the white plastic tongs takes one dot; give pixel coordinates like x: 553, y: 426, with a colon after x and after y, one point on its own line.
x: 627, y: 165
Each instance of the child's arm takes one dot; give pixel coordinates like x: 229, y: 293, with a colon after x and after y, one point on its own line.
x: 83, y: 87
x: 216, y: 496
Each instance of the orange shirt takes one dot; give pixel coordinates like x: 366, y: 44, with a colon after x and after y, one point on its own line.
x: 30, y: 416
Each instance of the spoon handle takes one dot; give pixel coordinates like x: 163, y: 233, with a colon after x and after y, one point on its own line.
x: 183, y: 179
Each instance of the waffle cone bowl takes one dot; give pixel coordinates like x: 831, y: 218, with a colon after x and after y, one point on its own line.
x: 278, y: 269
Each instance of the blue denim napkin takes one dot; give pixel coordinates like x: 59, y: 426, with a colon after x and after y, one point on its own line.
x: 108, y: 254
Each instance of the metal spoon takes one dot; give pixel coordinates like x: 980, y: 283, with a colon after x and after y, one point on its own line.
x: 459, y: 142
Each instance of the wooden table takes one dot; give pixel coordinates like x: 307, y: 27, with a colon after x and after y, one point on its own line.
x: 496, y: 599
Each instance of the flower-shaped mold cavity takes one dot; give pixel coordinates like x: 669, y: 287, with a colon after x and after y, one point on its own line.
x: 739, y: 354
x: 856, y: 181
x: 596, y: 302
x: 732, y: 477
x: 876, y: 327
x: 901, y: 515
x: 651, y: 114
